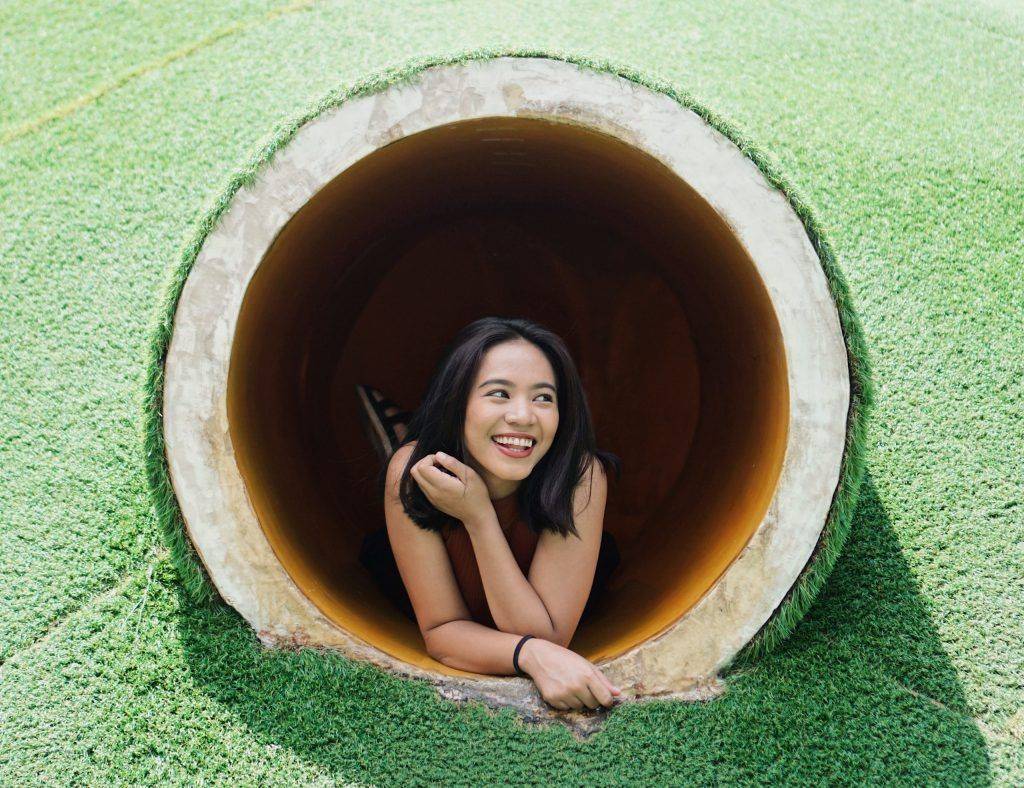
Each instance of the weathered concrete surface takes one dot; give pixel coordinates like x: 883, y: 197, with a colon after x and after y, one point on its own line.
x: 220, y: 519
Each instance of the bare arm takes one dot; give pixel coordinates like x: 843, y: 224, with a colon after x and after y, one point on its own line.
x: 449, y: 634
x: 548, y: 604
x: 513, y: 602
x: 467, y: 645
x: 564, y: 678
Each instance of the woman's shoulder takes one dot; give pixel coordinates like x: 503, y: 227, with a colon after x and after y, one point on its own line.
x: 397, y: 463
x: 401, y: 455
x: 593, y: 484
x: 594, y: 472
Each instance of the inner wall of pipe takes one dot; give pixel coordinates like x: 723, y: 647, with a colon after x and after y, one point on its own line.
x: 669, y: 323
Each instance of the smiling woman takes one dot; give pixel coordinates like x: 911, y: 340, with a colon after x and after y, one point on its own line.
x: 504, y: 420
x: 386, y: 426
x: 706, y: 316
x: 464, y: 409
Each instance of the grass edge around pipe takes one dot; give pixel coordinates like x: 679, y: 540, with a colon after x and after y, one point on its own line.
x: 835, y: 532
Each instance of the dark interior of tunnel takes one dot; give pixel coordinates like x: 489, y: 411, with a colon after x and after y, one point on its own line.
x: 671, y: 327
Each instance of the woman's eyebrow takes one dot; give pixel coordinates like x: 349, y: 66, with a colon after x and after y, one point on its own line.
x: 504, y: 382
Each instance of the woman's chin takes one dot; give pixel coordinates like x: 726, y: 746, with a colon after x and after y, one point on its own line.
x: 511, y: 476
x: 513, y: 473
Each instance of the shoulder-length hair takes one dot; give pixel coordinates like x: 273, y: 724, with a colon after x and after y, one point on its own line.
x: 545, y: 497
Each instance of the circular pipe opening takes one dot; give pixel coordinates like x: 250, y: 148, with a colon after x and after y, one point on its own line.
x: 667, y: 318
x: 684, y: 284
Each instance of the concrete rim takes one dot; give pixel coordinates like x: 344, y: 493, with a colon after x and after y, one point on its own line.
x: 212, y: 495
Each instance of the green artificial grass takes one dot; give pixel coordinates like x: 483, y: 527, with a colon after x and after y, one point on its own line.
x: 206, y: 700
x: 837, y: 524
x: 50, y: 82
x: 898, y: 125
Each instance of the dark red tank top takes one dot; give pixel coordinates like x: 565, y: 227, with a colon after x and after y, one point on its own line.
x: 521, y: 540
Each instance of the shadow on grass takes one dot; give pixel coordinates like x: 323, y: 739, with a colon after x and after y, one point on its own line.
x: 862, y: 692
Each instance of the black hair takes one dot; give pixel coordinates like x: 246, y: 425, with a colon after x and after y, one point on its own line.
x: 545, y: 497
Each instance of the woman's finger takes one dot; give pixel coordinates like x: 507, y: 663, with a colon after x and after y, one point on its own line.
x: 417, y: 473
x: 442, y: 480
x: 600, y: 691
x: 426, y: 465
x: 607, y: 682
x: 586, y: 698
x: 591, y: 699
x: 424, y: 462
x: 452, y: 464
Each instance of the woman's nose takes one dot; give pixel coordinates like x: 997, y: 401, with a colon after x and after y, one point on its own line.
x: 519, y: 413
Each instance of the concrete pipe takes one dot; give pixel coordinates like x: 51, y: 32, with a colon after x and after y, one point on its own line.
x: 707, y: 328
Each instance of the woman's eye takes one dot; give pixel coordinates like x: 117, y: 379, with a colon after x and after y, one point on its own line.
x: 548, y: 397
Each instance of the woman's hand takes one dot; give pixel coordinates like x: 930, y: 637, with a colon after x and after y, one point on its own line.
x: 564, y: 678
x: 462, y: 494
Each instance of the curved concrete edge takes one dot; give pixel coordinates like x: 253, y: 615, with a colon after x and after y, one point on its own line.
x: 212, y: 496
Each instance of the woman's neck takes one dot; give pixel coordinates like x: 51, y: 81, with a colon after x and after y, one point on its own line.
x: 499, y: 489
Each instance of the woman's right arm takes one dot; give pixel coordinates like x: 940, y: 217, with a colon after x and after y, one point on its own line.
x: 565, y: 679
x: 467, y: 645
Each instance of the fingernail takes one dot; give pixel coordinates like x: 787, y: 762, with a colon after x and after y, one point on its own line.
x: 442, y: 455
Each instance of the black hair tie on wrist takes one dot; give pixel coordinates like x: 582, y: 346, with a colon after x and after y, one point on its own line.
x: 515, y: 655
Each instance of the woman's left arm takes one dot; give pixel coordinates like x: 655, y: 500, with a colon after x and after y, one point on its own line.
x: 549, y: 604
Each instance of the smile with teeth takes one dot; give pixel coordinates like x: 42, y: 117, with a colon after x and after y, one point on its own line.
x: 514, y: 447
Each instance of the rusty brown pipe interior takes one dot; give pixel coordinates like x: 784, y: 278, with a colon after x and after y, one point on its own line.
x: 671, y: 327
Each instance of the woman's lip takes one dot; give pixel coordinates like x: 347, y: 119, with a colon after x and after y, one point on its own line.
x: 509, y: 453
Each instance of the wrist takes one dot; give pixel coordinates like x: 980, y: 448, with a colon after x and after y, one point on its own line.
x: 479, y: 519
x: 526, y: 656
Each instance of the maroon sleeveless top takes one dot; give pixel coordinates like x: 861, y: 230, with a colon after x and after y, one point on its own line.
x: 521, y: 540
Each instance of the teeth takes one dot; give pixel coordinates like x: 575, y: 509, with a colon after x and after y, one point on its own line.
x: 523, y: 443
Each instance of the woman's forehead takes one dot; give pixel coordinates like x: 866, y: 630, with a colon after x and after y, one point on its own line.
x: 518, y: 362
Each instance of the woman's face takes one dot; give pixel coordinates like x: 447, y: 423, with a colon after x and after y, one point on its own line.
x: 512, y: 402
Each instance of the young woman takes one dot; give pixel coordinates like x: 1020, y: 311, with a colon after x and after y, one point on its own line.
x: 494, y: 504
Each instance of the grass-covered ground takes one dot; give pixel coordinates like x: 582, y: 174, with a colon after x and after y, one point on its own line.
x: 900, y: 124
